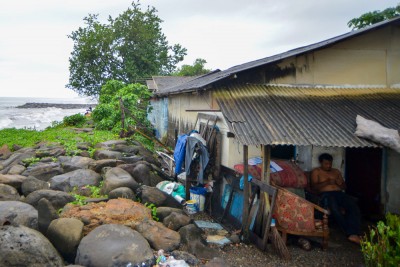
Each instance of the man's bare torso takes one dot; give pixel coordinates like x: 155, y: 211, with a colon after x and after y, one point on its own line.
x: 328, y: 180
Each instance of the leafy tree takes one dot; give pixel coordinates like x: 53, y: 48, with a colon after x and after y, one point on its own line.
x: 135, y: 99
x: 127, y: 48
x: 192, y: 70
x: 373, y: 17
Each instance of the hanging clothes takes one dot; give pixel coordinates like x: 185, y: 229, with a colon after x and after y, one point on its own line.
x: 179, y: 153
x: 191, y: 143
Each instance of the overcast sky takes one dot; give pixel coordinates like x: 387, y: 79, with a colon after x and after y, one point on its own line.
x: 34, y: 47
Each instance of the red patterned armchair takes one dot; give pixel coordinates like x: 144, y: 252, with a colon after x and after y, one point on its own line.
x: 295, y: 215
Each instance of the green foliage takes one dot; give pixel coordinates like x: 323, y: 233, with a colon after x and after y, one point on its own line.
x: 95, y: 192
x: 58, y: 134
x: 77, y: 120
x: 153, y: 209
x: 373, y: 17
x: 135, y: 99
x: 79, y: 200
x: 127, y: 48
x: 30, y: 161
x: 193, y: 70
x: 382, y: 246
x: 148, y: 144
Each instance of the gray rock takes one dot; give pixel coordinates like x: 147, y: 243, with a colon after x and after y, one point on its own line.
x: 159, y: 236
x: 117, y: 177
x: 192, y: 240
x: 98, y: 165
x: 43, y: 171
x: 186, y: 256
x: 17, y: 158
x: 113, y: 245
x: 16, y: 169
x: 7, y: 192
x: 81, y: 177
x: 122, y: 192
x: 57, y: 198
x: 32, y: 184
x: 111, y: 143
x: 13, y: 180
x: 163, y: 212
x: 175, y: 221
x: 157, y: 197
x: 18, y: 213
x: 22, y: 246
x: 84, y: 153
x: 74, y: 163
x: 141, y: 173
x: 50, y: 151
x: 234, y: 238
x: 83, y: 146
x: 107, y: 154
x: 131, y: 159
x: 65, y: 234
x: 126, y: 149
x: 46, y: 214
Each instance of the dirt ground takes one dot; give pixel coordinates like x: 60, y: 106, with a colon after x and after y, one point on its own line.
x: 340, y: 252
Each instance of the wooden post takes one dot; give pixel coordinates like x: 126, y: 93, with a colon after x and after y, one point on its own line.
x: 245, y: 214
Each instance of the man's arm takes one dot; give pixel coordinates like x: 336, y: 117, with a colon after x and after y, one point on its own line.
x: 340, y: 181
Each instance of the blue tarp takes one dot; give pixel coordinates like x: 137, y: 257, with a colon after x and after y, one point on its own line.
x: 180, y: 152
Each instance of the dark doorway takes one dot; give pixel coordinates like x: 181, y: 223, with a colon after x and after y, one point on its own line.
x: 363, y: 178
x: 282, y: 152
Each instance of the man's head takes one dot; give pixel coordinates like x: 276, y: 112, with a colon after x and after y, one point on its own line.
x: 325, y: 160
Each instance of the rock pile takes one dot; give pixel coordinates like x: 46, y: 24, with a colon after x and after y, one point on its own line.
x: 38, y: 214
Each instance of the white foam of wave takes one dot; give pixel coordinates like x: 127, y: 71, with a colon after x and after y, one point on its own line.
x: 5, y: 122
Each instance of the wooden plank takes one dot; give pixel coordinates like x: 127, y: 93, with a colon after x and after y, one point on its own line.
x: 245, y: 214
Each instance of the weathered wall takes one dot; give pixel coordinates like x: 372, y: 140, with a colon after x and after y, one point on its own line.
x: 369, y: 59
x: 158, y: 116
x: 393, y: 182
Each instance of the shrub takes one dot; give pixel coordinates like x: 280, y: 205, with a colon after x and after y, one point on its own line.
x: 74, y: 120
x: 381, y: 247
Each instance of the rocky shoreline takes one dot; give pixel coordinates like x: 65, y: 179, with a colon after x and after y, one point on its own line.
x: 55, y: 105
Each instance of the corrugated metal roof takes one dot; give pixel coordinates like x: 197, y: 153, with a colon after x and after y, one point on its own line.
x: 294, y: 115
x: 160, y: 83
x: 207, y: 80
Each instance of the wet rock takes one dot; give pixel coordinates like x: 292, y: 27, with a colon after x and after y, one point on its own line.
x: 57, y: 198
x: 43, y: 171
x: 113, y: 245
x: 117, y: 177
x: 107, y: 154
x: 13, y: 180
x: 7, y: 192
x: 65, y: 234
x: 18, y: 213
x: 163, y: 212
x: 157, y: 197
x: 22, y: 246
x: 98, y: 165
x: 79, y: 178
x: 115, y: 211
x: 69, y: 164
x: 46, y: 214
x: 175, y: 221
x: 158, y: 235
x: 32, y: 184
x: 194, y: 243
x: 122, y: 192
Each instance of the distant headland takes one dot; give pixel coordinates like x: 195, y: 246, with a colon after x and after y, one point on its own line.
x: 54, y: 105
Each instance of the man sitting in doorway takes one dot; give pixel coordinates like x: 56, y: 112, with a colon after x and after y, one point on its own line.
x: 329, y: 183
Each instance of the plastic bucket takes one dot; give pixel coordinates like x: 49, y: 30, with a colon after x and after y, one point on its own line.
x: 191, y: 206
x: 199, y: 195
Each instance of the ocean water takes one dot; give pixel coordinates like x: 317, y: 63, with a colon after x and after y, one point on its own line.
x: 35, y: 118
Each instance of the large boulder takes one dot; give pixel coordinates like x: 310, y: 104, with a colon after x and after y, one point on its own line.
x: 74, y: 163
x: 107, y: 154
x: 57, y: 198
x: 114, y: 245
x: 43, y: 170
x: 18, y: 213
x: 50, y: 151
x: 111, y: 143
x: 81, y: 177
x: 13, y: 180
x: 163, y: 212
x: 98, y: 165
x: 122, y: 192
x: 46, y: 213
x: 16, y: 158
x: 66, y: 234
x: 125, y: 149
x: 193, y: 242
x: 117, y: 177
x: 115, y: 211
x: 22, y: 246
x: 157, y: 197
x: 159, y: 236
x: 175, y: 221
x: 186, y: 256
x: 32, y: 184
x: 16, y: 169
x: 7, y: 192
